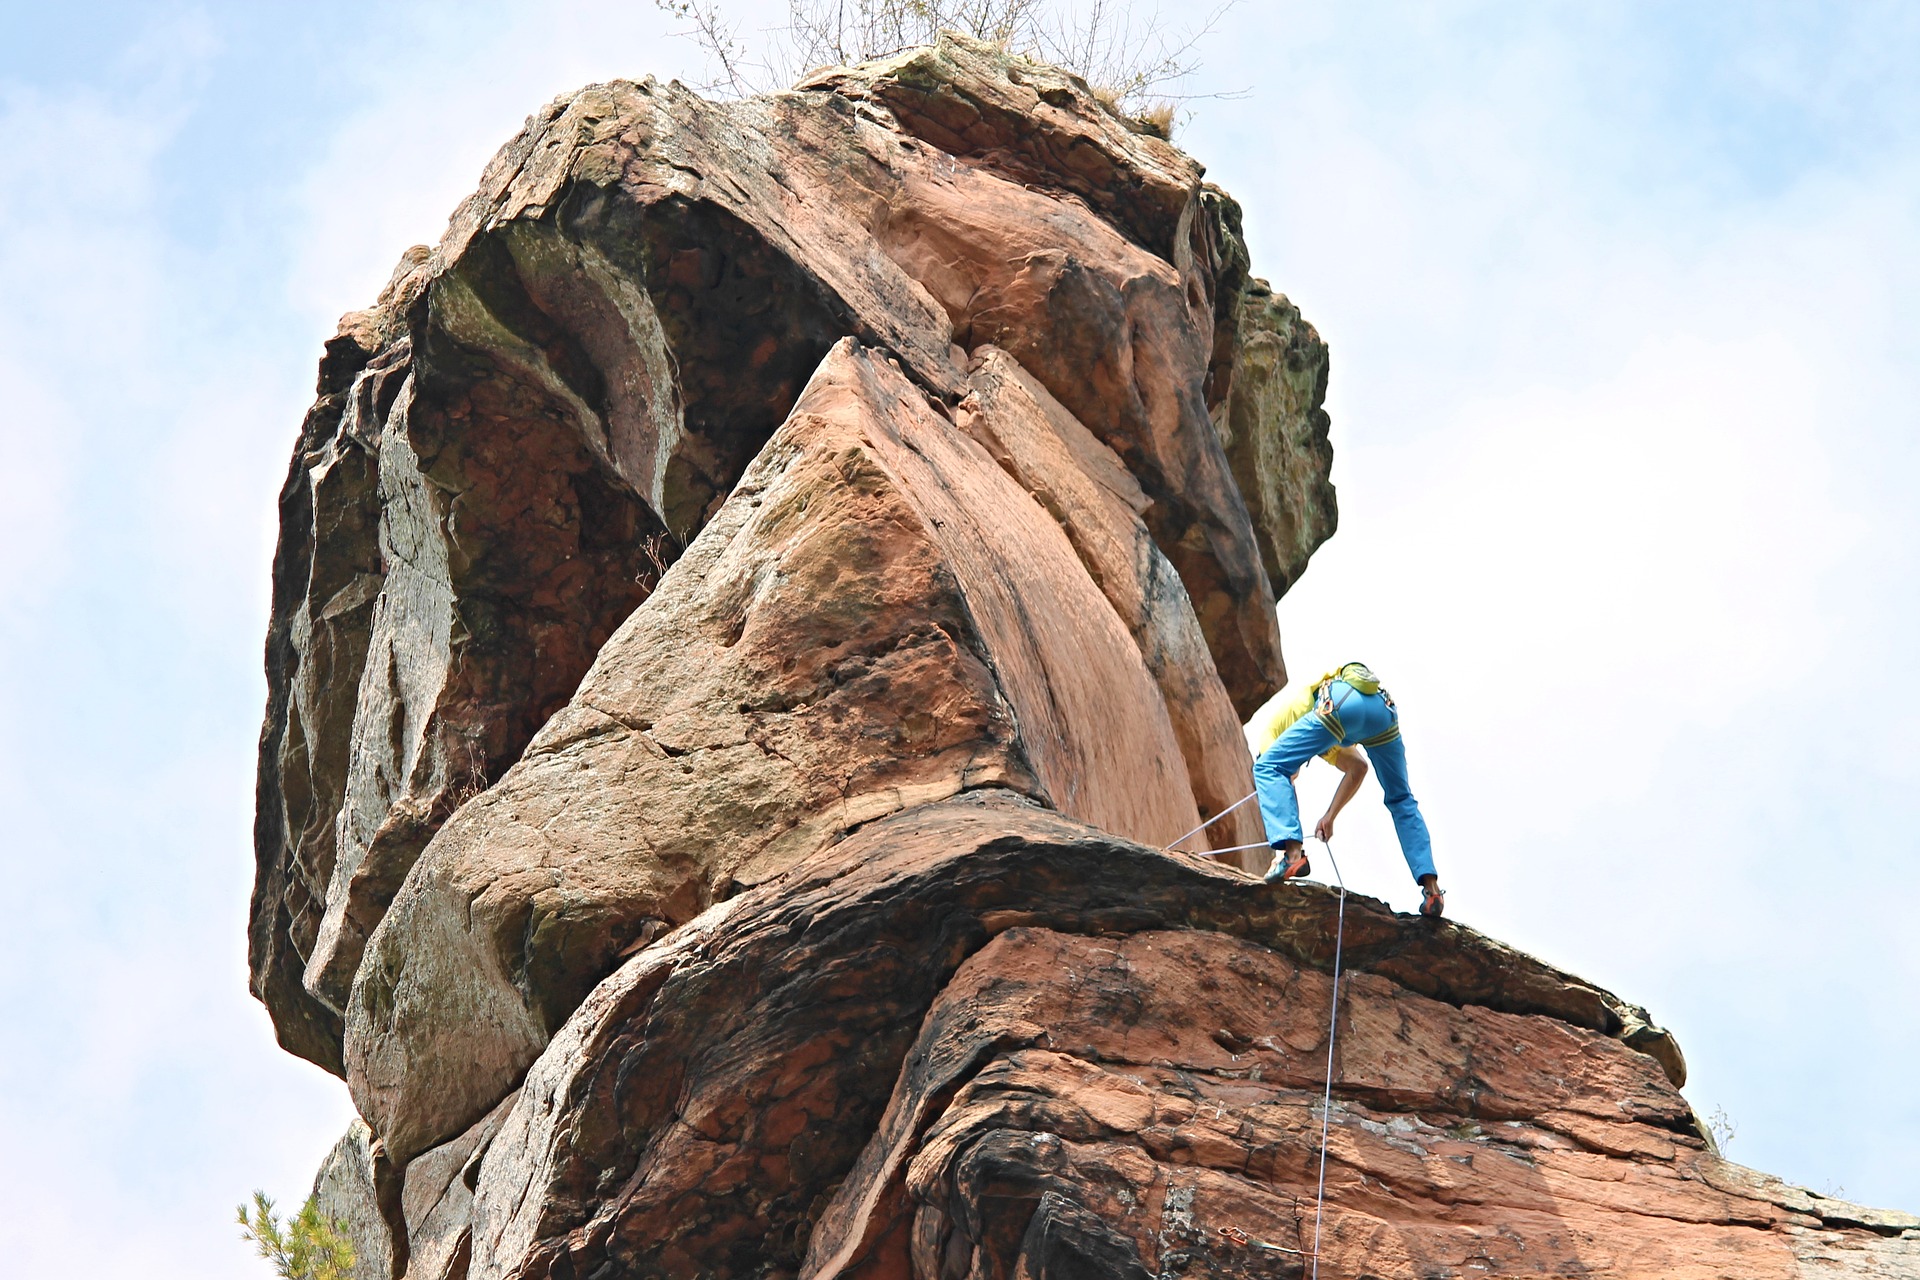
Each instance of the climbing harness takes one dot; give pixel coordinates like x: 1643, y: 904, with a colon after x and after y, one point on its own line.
x: 1359, y: 675
x: 1328, y: 710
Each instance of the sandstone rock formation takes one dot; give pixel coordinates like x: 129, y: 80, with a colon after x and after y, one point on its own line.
x: 1275, y: 432
x: 355, y: 1192
x: 753, y: 603
x: 542, y: 411
x: 879, y: 617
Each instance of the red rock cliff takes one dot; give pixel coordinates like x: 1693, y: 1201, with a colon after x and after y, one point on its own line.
x: 751, y: 604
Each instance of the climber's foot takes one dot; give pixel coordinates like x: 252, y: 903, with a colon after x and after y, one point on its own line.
x: 1288, y: 864
x: 1433, y: 902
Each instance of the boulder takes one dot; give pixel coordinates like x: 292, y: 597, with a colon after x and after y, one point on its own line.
x: 545, y: 408
x: 879, y: 617
x: 1124, y: 340
x: 1086, y: 488
x: 327, y: 574
x: 437, y: 595
x: 1035, y: 124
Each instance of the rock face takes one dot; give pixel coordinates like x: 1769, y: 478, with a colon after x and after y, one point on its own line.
x: 1275, y: 432
x: 693, y: 1081
x: 878, y: 617
x: 753, y: 604
x: 542, y: 411
x: 354, y: 1190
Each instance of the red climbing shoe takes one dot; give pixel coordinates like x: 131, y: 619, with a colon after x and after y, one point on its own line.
x: 1288, y: 867
x: 1435, y: 901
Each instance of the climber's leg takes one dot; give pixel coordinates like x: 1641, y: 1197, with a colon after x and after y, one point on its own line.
x: 1273, y: 777
x: 1389, y: 760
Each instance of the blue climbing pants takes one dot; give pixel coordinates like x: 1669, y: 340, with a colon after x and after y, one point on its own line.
x: 1361, y: 716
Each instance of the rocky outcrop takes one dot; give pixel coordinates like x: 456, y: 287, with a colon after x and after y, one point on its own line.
x: 879, y: 617
x: 1089, y: 491
x: 449, y: 565
x: 436, y: 1202
x: 754, y: 604
x: 1036, y: 1130
x: 977, y: 1039
x: 544, y: 409
x: 355, y: 1192
x: 726, y: 1080
x: 1274, y: 431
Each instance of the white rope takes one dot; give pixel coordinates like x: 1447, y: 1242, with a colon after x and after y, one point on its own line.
x: 1333, y: 1025
x: 1215, y: 853
x: 1333, y: 1028
x: 1215, y: 818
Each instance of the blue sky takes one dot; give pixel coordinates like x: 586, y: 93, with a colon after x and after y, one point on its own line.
x: 1622, y: 308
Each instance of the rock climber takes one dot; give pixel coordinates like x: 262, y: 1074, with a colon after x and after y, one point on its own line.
x: 1330, y: 717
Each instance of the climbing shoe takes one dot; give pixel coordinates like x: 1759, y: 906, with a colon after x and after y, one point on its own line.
x: 1434, y: 903
x: 1288, y: 867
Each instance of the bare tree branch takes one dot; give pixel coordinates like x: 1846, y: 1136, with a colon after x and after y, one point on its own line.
x: 1131, y: 63
x: 721, y: 41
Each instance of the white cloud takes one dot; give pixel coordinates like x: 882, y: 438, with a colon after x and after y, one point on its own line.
x: 67, y: 160
x: 439, y: 93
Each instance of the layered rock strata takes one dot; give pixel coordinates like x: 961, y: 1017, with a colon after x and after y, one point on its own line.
x: 542, y: 411
x: 878, y: 618
x: 979, y: 1039
x: 754, y: 602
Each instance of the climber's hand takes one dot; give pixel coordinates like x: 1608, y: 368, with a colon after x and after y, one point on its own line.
x: 1323, y: 829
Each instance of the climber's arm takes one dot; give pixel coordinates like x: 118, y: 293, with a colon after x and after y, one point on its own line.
x: 1353, y: 772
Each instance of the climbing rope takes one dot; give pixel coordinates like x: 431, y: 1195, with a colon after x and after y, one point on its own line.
x: 1209, y: 822
x: 1215, y: 853
x: 1333, y: 1025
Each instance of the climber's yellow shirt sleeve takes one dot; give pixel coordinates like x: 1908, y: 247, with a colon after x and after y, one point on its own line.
x: 1278, y: 715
